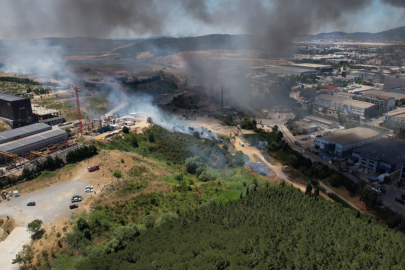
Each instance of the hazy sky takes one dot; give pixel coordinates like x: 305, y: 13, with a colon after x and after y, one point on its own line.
x: 25, y: 19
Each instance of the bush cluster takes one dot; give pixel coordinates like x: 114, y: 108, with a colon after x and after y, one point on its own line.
x: 81, y: 153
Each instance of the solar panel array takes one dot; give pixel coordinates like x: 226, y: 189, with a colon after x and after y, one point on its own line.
x: 11, y: 135
x: 10, y: 97
x: 13, y: 146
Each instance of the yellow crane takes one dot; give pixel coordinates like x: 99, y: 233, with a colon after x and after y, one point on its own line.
x: 37, y: 154
x: 13, y: 156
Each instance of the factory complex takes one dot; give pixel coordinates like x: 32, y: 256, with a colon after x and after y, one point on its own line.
x: 342, y: 142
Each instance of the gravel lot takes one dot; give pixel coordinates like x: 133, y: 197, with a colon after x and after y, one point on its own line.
x: 52, y: 203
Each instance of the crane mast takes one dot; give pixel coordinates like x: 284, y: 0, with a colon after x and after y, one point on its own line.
x: 77, y: 90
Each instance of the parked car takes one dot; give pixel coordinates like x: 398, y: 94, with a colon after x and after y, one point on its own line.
x: 76, y: 199
x: 73, y: 206
x: 13, y: 261
x: 399, y: 200
x: 31, y: 204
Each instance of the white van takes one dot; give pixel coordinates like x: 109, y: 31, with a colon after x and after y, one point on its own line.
x: 242, y: 144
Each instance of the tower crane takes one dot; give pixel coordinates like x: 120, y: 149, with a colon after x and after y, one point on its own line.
x: 77, y: 90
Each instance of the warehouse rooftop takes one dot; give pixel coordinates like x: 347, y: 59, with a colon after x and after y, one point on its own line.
x: 352, y: 135
x: 388, y: 150
x: 10, y: 98
x: 12, y: 146
x: 346, y: 101
x: 14, y: 134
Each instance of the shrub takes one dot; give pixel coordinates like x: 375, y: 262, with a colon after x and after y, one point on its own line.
x: 178, y: 176
x: 117, y: 174
x: 194, y: 163
x: 149, y: 221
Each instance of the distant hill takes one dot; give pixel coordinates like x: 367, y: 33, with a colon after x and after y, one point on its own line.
x: 168, y: 45
x: 393, y: 35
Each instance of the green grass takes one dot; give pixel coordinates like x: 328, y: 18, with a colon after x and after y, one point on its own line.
x: 47, y: 174
x: 68, y: 167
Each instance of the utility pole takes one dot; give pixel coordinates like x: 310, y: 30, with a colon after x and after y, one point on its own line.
x: 222, y: 104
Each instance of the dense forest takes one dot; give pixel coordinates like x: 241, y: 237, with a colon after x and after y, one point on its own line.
x: 269, y: 228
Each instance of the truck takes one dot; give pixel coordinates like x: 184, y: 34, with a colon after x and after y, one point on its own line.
x: 93, y: 168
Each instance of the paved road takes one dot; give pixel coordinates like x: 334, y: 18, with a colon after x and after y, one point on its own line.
x: 11, y: 246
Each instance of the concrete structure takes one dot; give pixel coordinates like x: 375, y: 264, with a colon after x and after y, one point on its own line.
x: 49, y: 116
x: 18, y: 133
x: 343, y: 105
x: 291, y: 70
x: 382, y: 156
x: 304, y: 127
x: 320, y: 121
x: 341, y: 142
x: 383, y: 102
x: 394, y: 118
x: 393, y: 83
x: 344, y: 95
x: 320, y: 68
x: 399, y: 97
x: 34, y: 143
x: 15, y: 110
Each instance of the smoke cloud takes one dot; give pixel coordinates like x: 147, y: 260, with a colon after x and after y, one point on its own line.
x: 37, y: 58
x: 277, y: 21
x: 143, y: 104
x: 395, y: 3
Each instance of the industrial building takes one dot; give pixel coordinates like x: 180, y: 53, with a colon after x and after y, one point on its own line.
x: 16, y: 111
x: 291, y: 70
x: 391, y: 83
x: 394, y: 118
x: 382, y: 156
x: 18, y: 133
x: 399, y: 98
x: 343, y: 105
x: 320, y: 121
x: 47, y: 116
x: 318, y: 67
x: 33, y: 143
x: 341, y: 142
x: 383, y: 102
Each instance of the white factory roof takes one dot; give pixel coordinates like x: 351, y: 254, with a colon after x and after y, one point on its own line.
x: 384, y: 94
x: 352, y: 135
x: 346, y: 101
x: 14, y: 134
x: 395, y: 112
x: 11, y: 146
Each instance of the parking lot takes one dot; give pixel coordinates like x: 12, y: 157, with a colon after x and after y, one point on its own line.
x: 52, y: 203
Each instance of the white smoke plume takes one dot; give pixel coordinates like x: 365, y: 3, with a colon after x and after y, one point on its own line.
x: 143, y: 104
x: 37, y: 58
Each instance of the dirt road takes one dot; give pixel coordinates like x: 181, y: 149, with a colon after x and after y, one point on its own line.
x: 11, y: 246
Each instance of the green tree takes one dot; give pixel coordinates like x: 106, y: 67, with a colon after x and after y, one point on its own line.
x: 151, y: 138
x: 82, y: 224
x: 25, y: 256
x: 34, y: 227
x: 125, y: 130
x: 193, y: 163
x: 275, y: 129
x: 149, y: 120
x: 308, y: 190
x: 149, y: 221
